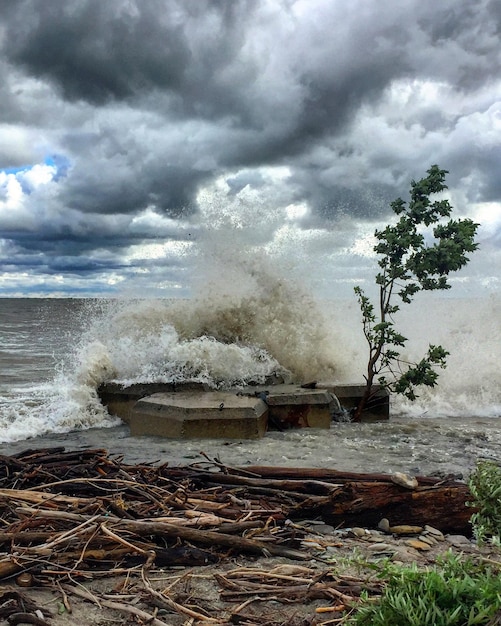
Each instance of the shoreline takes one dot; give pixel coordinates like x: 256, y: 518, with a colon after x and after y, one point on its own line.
x: 419, y: 446
x: 101, y: 596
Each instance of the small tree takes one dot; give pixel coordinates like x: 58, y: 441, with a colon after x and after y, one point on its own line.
x: 418, y: 254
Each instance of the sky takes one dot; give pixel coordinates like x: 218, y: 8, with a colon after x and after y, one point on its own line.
x: 140, y: 137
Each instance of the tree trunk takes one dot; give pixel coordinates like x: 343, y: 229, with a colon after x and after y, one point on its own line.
x: 364, y: 499
x: 366, y: 503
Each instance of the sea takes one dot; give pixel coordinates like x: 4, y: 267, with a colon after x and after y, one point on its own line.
x: 55, y: 352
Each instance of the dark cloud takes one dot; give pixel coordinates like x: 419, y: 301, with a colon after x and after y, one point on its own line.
x: 170, y: 189
x: 95, y: 50
x: 98, y: 51
x: 140, y: 104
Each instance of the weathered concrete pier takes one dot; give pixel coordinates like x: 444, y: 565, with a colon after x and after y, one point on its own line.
x: 206, y: 414
x: 185, y: 411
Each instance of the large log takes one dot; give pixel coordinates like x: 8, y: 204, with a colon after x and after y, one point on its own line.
x: 328, y: 475
x: 349, y: 502
x: 364, y: 499
x: 366, y: 503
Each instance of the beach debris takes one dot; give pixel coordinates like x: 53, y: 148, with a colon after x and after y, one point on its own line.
x: 72, y: 517
x: 18, y: 608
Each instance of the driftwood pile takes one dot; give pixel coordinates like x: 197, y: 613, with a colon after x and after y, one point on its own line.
x: 70, y: 516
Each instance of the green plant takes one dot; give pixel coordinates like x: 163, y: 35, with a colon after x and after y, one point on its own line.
x: 485, y: 488
x: 455, y: 592
x: 417, y: 254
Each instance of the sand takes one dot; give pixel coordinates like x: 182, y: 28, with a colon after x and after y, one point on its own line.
x: 126, y: 600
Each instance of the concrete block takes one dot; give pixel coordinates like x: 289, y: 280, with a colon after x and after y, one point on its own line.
x: 120, y: 400
x: 291, y: 406
x: 205, y: 415
x: 378, y: 407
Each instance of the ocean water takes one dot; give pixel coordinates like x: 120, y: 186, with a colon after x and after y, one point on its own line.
x: 55, y: 352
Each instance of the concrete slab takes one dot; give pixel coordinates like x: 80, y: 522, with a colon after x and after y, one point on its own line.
x: 120, y: 400
x: 284, y: 406
x: 292, y: 406
x: 280, y: 395
x: 378, y: 407
x: 193, y: 415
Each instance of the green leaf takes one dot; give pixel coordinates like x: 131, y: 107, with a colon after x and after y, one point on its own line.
x: 417, y: 253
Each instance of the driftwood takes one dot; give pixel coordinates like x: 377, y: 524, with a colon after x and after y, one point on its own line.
x: 359, y: 500
x: 69, y: 516
x: 366, y: 498
x: 365, y: 503
x: 85, y: 508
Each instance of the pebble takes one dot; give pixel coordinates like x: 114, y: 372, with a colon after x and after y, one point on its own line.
x: 375, y: 538
x: 400, y: 543
x: 358, y: 532
x: 25, y: 580
x: 404, y: 480
x: 380, y: 547
x: 418, y: 545
x: 405, y: 529
x: 317, y: 527
x: 323, y: 529
x: 311, y: 545
x: 435, y: 532
x: 429, y: 539
x: 458, y: 540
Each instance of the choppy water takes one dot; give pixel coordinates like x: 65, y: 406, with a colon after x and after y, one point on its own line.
x: 54, y: 354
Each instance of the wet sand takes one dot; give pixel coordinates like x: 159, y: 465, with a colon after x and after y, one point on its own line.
x: 421, y: 446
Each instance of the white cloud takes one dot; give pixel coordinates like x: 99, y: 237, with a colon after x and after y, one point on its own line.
x: 19, y: 145
x: 488, y: 215
x: 169, y: 249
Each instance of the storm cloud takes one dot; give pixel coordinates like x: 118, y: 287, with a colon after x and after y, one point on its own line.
x: 121, y: 118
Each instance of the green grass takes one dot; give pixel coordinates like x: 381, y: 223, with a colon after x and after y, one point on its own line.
x: 485, y: 488
x: 455, y: 592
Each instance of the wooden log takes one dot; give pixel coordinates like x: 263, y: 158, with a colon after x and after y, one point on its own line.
x: 25, y: 536
x: 361, y: 499
x: 11, y: 462
x: 58, y: 455
x: 9, y: 567
x: 364, y: 499
x: 239, y: 527
x: 366, y: 503
x: 41, y: 497
x: 156, y: 528
x: 297, y: 486
x: 35, y: 452
x: 326, y: 475
x: 206, y: 537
